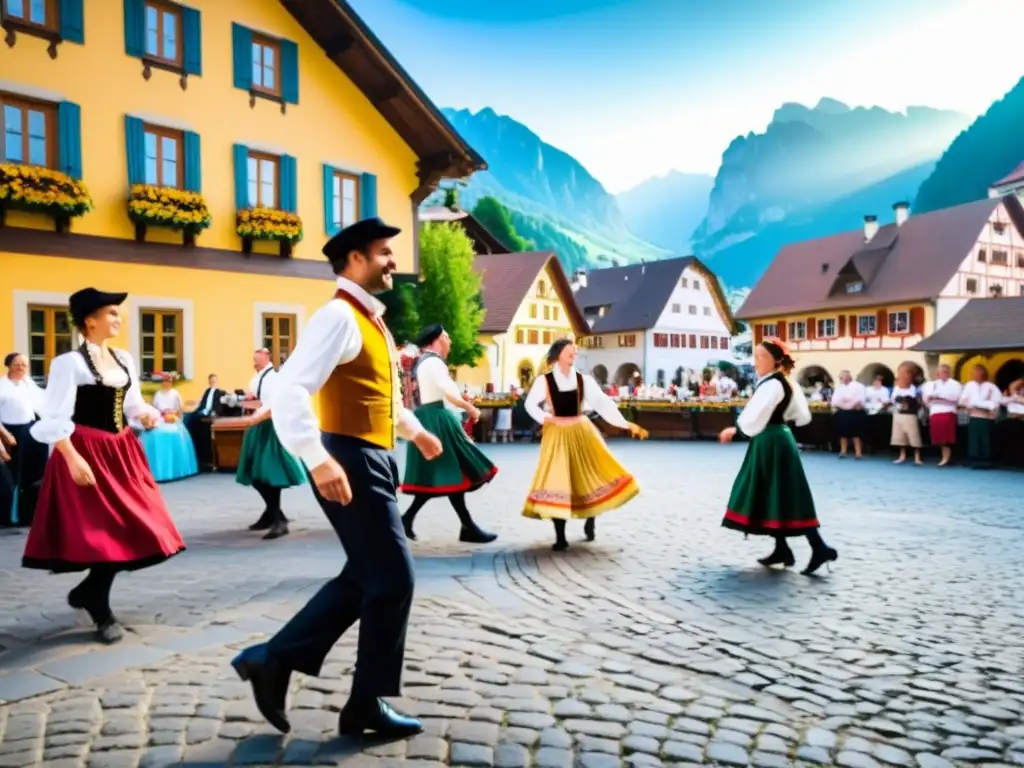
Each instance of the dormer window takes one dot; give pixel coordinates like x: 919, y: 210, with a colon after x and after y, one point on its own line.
x: 855, y: 286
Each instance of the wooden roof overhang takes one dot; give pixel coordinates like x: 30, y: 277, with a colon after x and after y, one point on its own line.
x: 353, y: 47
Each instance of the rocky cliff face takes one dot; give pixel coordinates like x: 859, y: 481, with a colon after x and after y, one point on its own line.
x: 808, y: 157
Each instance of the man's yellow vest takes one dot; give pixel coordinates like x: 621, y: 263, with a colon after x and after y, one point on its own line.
x: 360, y: 398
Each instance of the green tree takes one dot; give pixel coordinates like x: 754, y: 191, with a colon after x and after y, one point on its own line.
x: 402, y: 316
x: 449, y: 292
x: 496, y: 218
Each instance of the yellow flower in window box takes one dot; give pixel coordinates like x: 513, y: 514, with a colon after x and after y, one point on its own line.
x: 269, y: 224
x: 42, y: 190
x: 177, y: 209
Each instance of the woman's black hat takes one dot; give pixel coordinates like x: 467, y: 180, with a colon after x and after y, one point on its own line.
x: 86, y: 301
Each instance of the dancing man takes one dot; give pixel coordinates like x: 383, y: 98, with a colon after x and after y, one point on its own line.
x: 770, y: 496
x: 577, y: 476
x: 264, y: 463
x: 462, y: 467
x: 347, y: 355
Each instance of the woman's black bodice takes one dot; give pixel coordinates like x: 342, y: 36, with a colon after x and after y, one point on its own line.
x: 98, y: 405
x: 565, y: 404
x: 778, y: 415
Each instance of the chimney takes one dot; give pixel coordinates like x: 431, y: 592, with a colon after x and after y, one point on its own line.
x: 902, y: 211
x: 870, y: 228
x: 579, y: 280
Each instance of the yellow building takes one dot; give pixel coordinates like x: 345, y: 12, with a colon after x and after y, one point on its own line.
x: 987, y: 333
x: 864, y: 300
x: 529, y: 305
x: 288, y: 112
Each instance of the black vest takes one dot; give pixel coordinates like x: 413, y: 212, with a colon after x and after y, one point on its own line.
x: 97, y: 405
x: 778, y: 415
x: 565, y: 404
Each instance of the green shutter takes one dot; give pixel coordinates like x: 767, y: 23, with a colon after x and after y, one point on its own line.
x: 330, y: 225
x: 69, y: 138
x: 193, y: 163
x: 241, y: 154
x: 134, y: 28
x: 241, y: 45
x: 135, y: 148
x: 72, y: 21
x: 192, y: 41
x: 289, y: 72
x: 288, y: 198
x: 367, y: 196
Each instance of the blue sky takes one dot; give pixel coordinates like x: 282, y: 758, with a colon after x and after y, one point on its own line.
x: 634, y: 88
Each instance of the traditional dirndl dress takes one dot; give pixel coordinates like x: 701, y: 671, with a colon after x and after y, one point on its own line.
x: 170, y: 451
x: 263, y: 460
x: 122, y: 519
x: 771, y: 496
x: 461, y: 467
x: 577, y: 477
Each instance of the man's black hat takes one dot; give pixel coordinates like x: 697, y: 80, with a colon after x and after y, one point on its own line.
x: 429, y: 335
x: 356, y: 238
x: 86, y: 301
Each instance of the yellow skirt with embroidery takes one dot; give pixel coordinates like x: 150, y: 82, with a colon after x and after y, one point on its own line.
x: 577, y: 477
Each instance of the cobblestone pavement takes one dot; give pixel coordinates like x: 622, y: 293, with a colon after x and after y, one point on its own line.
x: 661, y: 642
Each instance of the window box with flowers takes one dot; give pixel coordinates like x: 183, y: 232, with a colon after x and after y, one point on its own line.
x: 266, y: 199
x: 151, y: 383
x: 269, y: 224
x: 180, y: 210
x: 35, y: 189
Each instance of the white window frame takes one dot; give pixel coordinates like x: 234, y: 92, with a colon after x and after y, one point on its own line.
x: 261, y: 308
x: 133, y: 308
x: 792, y: 328
x: 22, y: 301
x: 835, y: 328
x: 874, y: 332
x: 897, y: 313
x: 770, y: 329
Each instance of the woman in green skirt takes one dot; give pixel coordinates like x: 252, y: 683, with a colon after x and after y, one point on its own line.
x: 770, y: 496
x: 461, y: 467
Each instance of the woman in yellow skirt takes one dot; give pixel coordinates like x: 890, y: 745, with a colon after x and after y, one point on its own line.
x: 577, y: 476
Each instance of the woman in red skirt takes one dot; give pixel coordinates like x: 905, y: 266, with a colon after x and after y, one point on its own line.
x: 99, y: 508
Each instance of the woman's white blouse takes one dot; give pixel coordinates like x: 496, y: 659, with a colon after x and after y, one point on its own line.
x: 766, y: 398
x: 593, y: 398
x: 19, y: 401
x: 167, y: 400
x: 68, y: 372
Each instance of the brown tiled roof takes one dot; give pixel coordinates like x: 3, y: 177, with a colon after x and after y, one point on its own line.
x: 636, y: 294
x: 1017, y: 174
x: 920, y: 257
x: 506, y: 279
x: 980, y: 325
x: 357, y: 51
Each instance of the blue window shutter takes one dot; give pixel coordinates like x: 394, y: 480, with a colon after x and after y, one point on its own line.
x: 72, y: 21
x: 241, y: 44
x: 367, y: 196
x: 135, y: 148
x: 193, y: 163
x: 330, y: 225
x: 69, y: 138
x: 134, y: 28
x: 192, y: 42
x: 288, y: 198
x: 289, y: 72
x: 241, y: 153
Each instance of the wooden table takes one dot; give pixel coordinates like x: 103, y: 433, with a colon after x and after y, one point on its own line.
x: 227, y: 442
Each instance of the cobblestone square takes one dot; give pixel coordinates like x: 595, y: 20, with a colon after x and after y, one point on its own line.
x: 663, y: 642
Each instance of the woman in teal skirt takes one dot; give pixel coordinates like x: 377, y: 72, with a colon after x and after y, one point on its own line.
x: 461, y: 467
x: 267, y: 466
x: 770, y: 496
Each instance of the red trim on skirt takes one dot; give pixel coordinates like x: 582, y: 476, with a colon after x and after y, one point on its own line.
x: 122, y: 520
x: 942, y: 428
x: 770, y: 525
x: 444, y: 490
